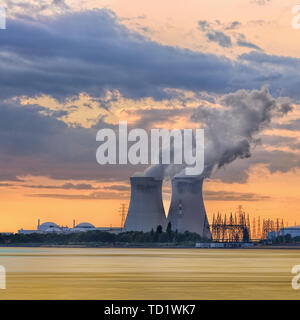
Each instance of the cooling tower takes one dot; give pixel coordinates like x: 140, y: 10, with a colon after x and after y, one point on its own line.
x: 146, y: 210
x: 187, y: 211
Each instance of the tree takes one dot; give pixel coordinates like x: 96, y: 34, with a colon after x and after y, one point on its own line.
x: 159, y: 229
x: 288, y: 238
x: 245, y: 235
x: 169, y: 228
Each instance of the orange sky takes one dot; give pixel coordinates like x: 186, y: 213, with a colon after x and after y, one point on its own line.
x: 172, y: 23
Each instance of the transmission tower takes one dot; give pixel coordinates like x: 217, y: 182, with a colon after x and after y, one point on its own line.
x: 258, y: 228
x: 253, y: 229
x: 122, y: 211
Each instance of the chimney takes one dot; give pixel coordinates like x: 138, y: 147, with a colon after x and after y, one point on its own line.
x: 146, y: 210
x: 187, y: 211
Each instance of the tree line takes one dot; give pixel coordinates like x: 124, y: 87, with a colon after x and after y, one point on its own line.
x: 157, y: 236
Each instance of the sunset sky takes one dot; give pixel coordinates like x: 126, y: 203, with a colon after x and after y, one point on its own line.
x: 69, y: 68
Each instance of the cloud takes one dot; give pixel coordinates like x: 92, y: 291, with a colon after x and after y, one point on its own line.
x: 9, y: 176
x: 66, y: 186
x: 222, y: 38
x: 32, y: 143
x: 274, y: 161
x: 260, y: 2
x: 242, y: 42
x: 278, y: 141
x: 233, y: 25
x: 35, y: 8
x: 281, y: 72
x: 92, y: 52
x: 233, y: 196
x: 292, y: 125
x: 38, y: 144
x: 6, y: 185
x: 65, y: 55
x: 208, y: 195
x: 117, y: 188
x: 213, y: 35
x: 204, y: 25
x: 91, y: 196
x: 231, y: 131
x: 219, y: 37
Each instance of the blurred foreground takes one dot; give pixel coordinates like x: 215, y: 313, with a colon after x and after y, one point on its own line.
x: 71, y: 273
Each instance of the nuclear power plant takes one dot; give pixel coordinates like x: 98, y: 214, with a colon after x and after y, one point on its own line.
x: 146, y: 210
x: 186, y: 213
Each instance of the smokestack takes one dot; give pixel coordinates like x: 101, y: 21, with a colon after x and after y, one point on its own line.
x: 38, y: 223
x: 146, y: 210
x: 187, y: 211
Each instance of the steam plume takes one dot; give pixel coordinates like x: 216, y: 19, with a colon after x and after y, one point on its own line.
x: 231, y: 130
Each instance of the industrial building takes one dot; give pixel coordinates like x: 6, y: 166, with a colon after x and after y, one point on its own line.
x: 51, y: 227
x: 187, y: 211
x: 292, y: 231
x: 146, y: 210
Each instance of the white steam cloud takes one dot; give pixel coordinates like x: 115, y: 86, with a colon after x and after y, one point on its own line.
x: 231, y: 130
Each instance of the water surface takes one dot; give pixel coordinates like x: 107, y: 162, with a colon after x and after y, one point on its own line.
x: 88, y: 273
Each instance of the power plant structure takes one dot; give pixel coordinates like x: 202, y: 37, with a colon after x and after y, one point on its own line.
x: 146, y: 209
x: 187, y: 211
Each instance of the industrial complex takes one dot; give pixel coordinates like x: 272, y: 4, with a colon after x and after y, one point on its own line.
x: 186, y: 213
x: 50, y: 227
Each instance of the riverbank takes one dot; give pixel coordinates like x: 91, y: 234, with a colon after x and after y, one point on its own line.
x: 143, y: 245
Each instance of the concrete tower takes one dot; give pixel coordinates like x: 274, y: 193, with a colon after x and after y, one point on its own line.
x: 187, y: 211
x: 146, y: 210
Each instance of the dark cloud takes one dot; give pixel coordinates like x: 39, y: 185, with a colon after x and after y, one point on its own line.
x: 66, y: 186
x: 233, y: 25
x: 204, y: 25
x: 208, y: 196
x: 219, y: 37
x: 34, y: 8
x: 274, y: 161
x: 292, y: 125
x: 36, y: 144
x: 91, y: 196
x: 223, y: 39
x: 233, y: 196
x: 32, y: 143
x: 6, y: 185
x: 242, y: 42
x: 8, y: 176
x: 263, y: 58
x: 91, y: 51
x: 282, y: 73
x: 277, y: 141
x: 117, y: 187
